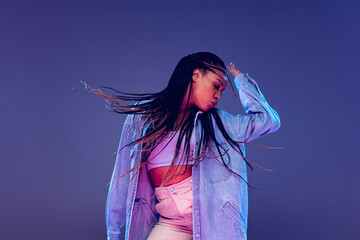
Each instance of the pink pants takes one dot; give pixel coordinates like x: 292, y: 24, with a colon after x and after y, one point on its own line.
x: 175, y: 209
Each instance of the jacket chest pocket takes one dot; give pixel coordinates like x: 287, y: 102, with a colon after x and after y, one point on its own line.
x: 214, y: 168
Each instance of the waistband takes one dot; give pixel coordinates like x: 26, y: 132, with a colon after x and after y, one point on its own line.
x: 183, y: 186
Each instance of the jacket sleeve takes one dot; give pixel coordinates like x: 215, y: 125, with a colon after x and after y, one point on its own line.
x: 261, y: 118
x: 117, y: 194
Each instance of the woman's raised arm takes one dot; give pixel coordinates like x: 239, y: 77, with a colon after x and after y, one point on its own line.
x: 261, y: 118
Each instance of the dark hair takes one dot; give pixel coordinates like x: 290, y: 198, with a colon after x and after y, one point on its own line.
x: 159, y: 111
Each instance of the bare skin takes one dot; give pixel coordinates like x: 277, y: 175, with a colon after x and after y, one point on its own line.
x: 206, y: 92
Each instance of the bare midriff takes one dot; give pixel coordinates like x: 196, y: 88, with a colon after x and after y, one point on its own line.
x: 158, y: 174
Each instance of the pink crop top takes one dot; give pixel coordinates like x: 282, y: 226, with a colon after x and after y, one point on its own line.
x: 160, y: 157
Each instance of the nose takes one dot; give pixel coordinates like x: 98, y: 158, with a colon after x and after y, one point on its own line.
x: 218, y: 96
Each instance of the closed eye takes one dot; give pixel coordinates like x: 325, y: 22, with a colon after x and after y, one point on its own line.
x: 217, y: 87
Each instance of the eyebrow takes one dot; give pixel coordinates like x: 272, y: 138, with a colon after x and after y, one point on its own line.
x: 220, y: 81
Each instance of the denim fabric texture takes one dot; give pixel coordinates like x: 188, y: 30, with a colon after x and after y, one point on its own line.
x: 220, y: 198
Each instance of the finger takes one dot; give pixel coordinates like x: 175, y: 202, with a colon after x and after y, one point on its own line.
x: 232, y: 66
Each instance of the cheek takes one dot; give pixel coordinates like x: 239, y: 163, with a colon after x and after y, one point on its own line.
x: 209, y: 93
x: 202, y: 96
x: 205, y: 99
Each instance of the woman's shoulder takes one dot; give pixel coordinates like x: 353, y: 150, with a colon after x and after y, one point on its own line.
x: 132, y: 119
x: 135, y: 120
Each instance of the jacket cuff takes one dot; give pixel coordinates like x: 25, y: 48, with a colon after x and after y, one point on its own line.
x: 243, y: 80
x: 240, y: 80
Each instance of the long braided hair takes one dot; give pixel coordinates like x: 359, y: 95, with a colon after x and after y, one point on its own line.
x: 159, y: 111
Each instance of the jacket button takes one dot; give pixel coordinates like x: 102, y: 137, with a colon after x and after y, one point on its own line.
x: 171, y: 189
x: 196, y: 211
x: 197, y: 235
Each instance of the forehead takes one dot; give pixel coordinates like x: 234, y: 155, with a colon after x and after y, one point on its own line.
x: 219, y: 75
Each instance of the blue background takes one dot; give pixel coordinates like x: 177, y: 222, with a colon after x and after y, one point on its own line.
x: 57, y: 141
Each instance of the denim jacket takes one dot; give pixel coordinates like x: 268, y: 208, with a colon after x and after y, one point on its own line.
x: 220, y: 198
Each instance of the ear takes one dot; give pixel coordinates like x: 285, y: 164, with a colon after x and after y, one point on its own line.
x: 196, y: 75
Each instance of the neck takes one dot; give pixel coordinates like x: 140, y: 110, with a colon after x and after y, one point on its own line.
x: 180, y: 116
x: 183, y: 107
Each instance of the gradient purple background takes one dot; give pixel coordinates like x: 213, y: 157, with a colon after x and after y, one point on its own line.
x: 57, y: 141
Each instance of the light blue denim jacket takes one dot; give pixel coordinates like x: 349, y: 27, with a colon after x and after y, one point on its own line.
x: 220, y: 198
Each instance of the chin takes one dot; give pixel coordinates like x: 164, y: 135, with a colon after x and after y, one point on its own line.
x: 205, y: 109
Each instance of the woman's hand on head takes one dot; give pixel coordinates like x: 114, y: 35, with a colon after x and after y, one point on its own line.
x: 233, y: 70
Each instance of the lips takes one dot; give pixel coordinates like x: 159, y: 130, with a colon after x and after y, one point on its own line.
x: 213, y: 104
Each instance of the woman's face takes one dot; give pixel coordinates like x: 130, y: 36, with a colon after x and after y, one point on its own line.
x: 207, y: 88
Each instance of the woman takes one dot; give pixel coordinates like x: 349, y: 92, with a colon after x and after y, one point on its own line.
x: 177, y: 146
